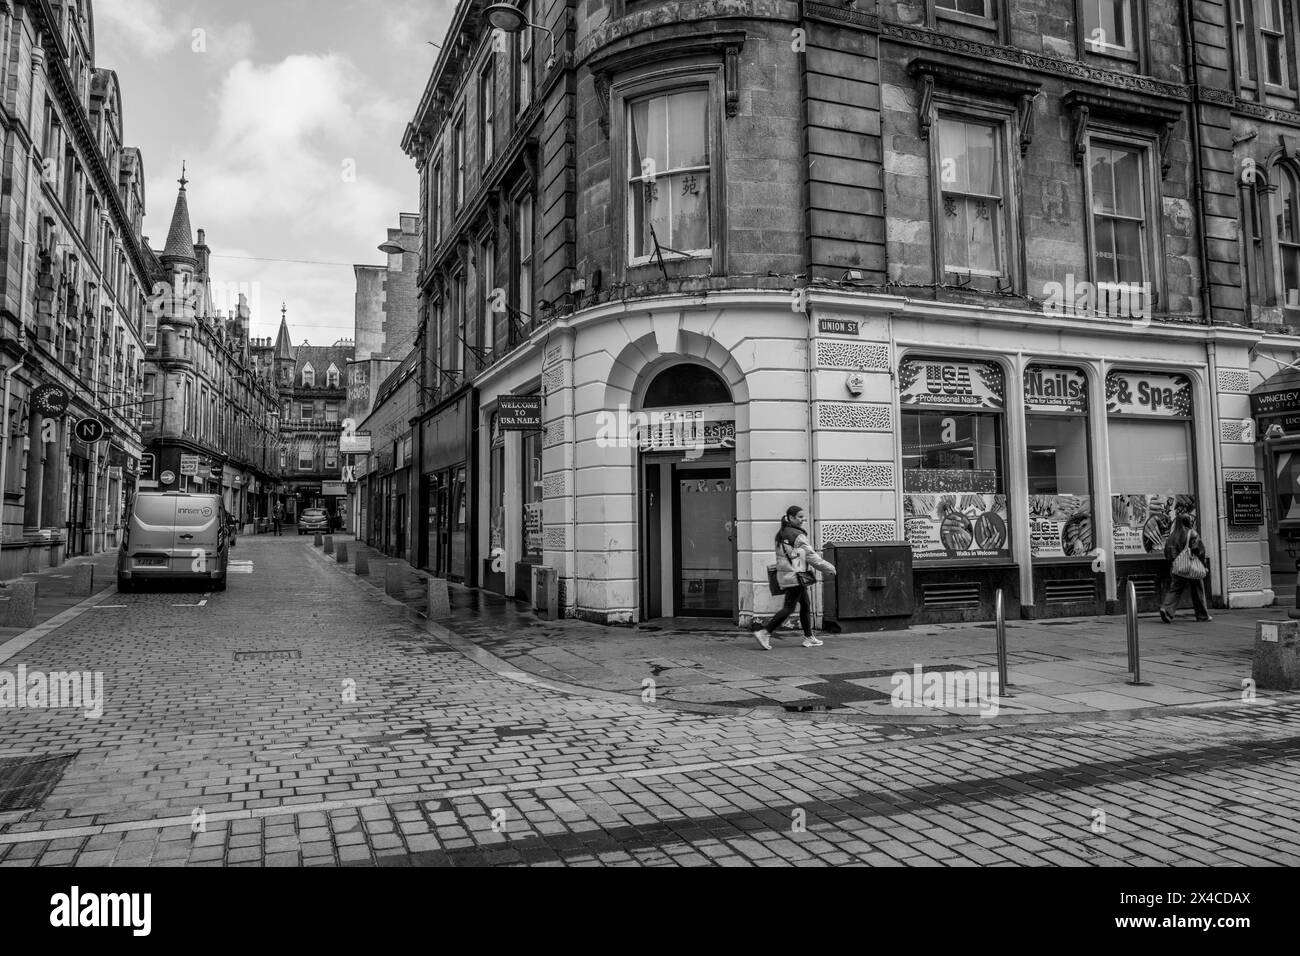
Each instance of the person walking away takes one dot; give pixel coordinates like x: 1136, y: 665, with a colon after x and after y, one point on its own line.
x: 1183, y: 537
x: 277, y: 515
x: 794, y: 553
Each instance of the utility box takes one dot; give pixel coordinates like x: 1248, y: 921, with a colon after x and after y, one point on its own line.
x: 872, y: 589
x: 546, y: 593
x: 1276, y: 665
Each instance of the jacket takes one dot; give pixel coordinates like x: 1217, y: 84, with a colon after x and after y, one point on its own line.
x: 791, y: 559
x: 1174, y: 545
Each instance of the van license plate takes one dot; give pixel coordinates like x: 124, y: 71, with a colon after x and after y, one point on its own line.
x: 150, y: 562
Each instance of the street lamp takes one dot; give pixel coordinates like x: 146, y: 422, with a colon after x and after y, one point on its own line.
x: 510, y: 19
x: 392, y: 247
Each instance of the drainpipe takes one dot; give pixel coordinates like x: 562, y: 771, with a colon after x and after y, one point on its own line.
x: 812, y: 467
x: 1198, y: 195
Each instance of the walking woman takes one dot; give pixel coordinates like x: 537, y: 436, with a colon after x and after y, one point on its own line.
x: 1183, y: 536
x: 794, y: 553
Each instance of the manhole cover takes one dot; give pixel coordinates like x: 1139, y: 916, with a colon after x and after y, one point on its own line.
x: 290, y: 655
x: 25, y: 782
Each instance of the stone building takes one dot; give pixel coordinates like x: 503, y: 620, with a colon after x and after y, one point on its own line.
x: 210, y: 418
x: 74, y: 274
x: 965, y: 277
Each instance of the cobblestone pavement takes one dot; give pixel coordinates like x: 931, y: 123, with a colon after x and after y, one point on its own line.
x: 362, y: 738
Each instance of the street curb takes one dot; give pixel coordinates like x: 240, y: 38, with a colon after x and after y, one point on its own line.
x: 505, y: 669
x: 33, y: 634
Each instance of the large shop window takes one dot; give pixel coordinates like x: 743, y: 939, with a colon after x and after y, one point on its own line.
x: 532, y: 496
x: 954, y: 460
x: 668, y: 176
x: 1151, y: 465
x: 497, y: 492
x: 1060, y: 487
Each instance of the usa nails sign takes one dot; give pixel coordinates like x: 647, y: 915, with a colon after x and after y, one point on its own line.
x: 930, y: 382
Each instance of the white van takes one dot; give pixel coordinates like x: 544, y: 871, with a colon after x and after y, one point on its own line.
x: 175, y: 536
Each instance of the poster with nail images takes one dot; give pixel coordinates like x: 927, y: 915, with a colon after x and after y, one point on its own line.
x: 957, y: 526
x: 1142, y: 522
x: 1060, y: 526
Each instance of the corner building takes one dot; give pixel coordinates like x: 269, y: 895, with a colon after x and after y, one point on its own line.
x: 940, y: 278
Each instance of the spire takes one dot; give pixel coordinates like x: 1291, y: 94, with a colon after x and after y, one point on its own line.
x: 283, y: 349
x: 180, y: 242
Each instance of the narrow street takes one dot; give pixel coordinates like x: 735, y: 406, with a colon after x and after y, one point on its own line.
x: 301, y: 719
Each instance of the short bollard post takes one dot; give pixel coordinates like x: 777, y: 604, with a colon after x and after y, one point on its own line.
x: 1000, y: 618
x: 392, y: 578
x: 439, y: 599
x: 329, y: 544
x: 361, y: 565
x: 341, y: 555
x: 83, y: 579
x: 1134, y: 650
x: 317, y: 541
x: 18, y: 604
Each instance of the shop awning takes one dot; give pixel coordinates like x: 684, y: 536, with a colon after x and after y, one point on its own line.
x: 1278, y: 395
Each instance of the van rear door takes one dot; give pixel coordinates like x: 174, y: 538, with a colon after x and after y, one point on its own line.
x: 197, y: 524
x: 153, y: 521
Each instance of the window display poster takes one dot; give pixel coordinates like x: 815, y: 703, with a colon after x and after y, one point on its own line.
x: 1142, y: 522
x: 533, y: 528
x: 957, y: 526
x: 1060, y: 526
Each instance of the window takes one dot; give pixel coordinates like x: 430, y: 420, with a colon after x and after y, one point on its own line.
x: 973, y: 8
x: 668, y: 204
x: 487, y: 97
x: 491, y: 316
x: 306, y: 458
x: 971, y: 185
x: 332, y: 376
x: 1245, y: 46
x: 524, y: 46
x: 1059, y: 471
x: 308, y: 375
x: 1117, y: 184
x: 308, y: 410
x: 524, y: 246
x: 1272, y: 42
x: 1288, y: 236
x: 331, y: 411
x: 331, y: 456
x: 458, y: 161
x: 435, y: 204
x: 151, y: 330
x: 686, y: 384
x: 1108, y: 26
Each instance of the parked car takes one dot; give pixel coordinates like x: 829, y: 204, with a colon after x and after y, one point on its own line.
x: 175, y: 536
x: 311, y: 520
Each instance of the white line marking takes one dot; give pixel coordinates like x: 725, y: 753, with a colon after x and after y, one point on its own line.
x: 108, y: 606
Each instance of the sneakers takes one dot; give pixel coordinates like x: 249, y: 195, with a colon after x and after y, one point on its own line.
x: 1205, y: 619
x: 764, y: 639
x: 1166, y: 616
x: 812, y: 642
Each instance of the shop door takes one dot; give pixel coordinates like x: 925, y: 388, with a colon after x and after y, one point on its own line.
x: 459, y: 531
x: 78, y: 506
x: 689, y: 550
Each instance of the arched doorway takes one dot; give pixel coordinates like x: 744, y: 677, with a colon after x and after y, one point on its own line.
x: 685, y: 435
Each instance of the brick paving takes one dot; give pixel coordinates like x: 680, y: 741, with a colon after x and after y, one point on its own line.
x: 382, y: 744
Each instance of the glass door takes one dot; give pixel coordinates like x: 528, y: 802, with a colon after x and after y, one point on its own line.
x: 703, y: 542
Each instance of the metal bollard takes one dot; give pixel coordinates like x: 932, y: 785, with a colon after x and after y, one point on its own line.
x: 341, y: 555
x: 1000, y: 617
x: 1131, y: 622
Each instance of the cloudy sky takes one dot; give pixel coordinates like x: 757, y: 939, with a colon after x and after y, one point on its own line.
x: 289, y: 115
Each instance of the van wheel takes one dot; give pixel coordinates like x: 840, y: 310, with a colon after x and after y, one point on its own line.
x: 125, y: 585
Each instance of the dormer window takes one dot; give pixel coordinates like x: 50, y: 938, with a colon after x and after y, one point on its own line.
x: 308, y: 375
x: 332, y: 376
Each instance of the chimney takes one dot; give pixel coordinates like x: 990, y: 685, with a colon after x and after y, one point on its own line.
x: 202, y: 251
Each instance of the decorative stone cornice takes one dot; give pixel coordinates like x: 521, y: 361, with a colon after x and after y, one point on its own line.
x: 1083, y: 105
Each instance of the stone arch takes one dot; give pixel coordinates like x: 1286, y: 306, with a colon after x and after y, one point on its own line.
x: 643, y: 358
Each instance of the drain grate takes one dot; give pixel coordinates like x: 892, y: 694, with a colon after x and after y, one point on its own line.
x: 289, y: 655
x: 25, y: 782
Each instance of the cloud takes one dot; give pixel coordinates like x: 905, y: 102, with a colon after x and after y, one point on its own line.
x: 410, y: 24
x: 139, y: 26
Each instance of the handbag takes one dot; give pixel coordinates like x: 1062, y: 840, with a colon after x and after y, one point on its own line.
x: 805, y: 579
x: 1188, y: 565
x: 772, y: 584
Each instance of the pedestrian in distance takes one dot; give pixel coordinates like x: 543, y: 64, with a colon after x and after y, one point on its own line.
x: 794, y: 554
x: 277, y: 515
x: 1188, y: 567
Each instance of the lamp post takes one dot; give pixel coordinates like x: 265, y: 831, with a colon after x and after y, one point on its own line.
x: 510, y: 19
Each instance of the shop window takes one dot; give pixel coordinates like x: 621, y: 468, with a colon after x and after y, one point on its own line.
x: 1151, y: 465
x: 532, y: 483
x: 1118, y: 186
x: 686, y: 384
x: 496, y: 492
x: 973, y: 212
x: 668, y: 176
x: 954, y: 459
x: 1059, y: 467
x: 1288, y: 235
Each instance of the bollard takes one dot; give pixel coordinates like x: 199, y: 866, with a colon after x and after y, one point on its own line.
x: 1000, y: 618
x: 546, y: 592
x: 329, y: 544
x: 392, y: 578
x: 439, y: 599
x: 342, y: 554
x: 83, y: 579
x: 361, y: 565
x: 317, y: 541
x: 1134, y: 652
x: 18, y: 605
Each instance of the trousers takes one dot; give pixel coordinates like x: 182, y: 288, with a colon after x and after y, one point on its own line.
x: 1177, y: 586
x: 796, y: 596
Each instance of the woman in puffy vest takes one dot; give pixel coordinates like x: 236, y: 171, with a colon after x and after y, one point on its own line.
x: 794, y: 554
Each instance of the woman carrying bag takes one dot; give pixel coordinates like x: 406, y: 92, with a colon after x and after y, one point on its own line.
x: 1188, y: 568
x: 794, y: 553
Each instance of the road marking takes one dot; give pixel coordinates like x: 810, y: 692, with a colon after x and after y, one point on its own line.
x: 240, y: 567
x: 108, y: 606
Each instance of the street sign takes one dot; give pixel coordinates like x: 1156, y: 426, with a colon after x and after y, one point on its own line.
x: 519, y: 412
x: 218, y: 471
x: 166, y: 478
x: 354, y: 444
x: 51, y: 400
x: 147, y: 466
x: 89, y: 430
x: 189, y: 464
